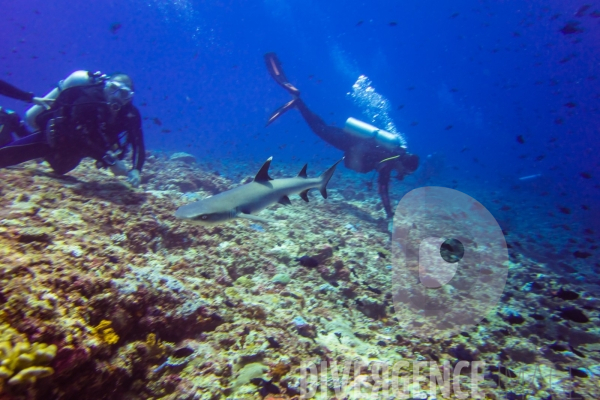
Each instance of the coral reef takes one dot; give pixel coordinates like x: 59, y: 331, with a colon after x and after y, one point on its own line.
x: 102, y: 285
x: 23, y: 362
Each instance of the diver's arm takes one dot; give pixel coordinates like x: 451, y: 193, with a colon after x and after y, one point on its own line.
x: 8, y: 90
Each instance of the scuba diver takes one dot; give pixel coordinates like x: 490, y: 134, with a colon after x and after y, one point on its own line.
x: 86, y: 115
x: 366, y: 148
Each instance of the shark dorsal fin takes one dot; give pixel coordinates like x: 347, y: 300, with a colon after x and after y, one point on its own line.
x: 302, y: 173
x: 304, y: 195
x: 285, y: 201
x: 263, y: 173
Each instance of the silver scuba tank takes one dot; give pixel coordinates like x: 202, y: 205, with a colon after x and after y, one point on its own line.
x: 363, y: 130
x: 77, y: 78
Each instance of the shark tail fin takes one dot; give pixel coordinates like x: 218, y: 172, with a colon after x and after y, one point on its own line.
x: 325, y: 177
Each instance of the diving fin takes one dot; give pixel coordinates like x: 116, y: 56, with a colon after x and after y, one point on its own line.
x: 281, y: 110
x: 276, y: 71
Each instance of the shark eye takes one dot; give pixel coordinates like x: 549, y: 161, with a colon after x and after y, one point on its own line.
x: 204, y: 216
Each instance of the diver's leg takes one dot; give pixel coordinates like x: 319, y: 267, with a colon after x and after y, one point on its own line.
x: 383, y: 182
x: 24, y: 149
x: 333, y: 135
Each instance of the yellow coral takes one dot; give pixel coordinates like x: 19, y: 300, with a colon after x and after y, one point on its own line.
x: 22, y: 361
x: 156, y: 348
x: 106, y: 333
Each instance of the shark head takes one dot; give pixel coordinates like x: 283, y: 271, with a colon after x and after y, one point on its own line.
x: 205, y: 212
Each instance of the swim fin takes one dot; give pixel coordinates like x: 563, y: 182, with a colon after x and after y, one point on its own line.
x: 276, y: 71
x: 290, y: 104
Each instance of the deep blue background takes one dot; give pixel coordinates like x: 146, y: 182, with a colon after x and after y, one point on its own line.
x: 493, y: 70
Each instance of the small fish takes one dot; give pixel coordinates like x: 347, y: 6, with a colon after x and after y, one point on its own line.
x: 401, y: 106
x: 582, y: 10
x: 393, y: 23
x: 165, y: 131
x: 414, y: 123
x: 585, y: 207
x: 448, y: 127
x: 570, y: 104
x: 114, y: 28
x: 570, y: 28
x: 455, y: 15
x: 540, y: 158
x: 559, y: 121
x: 157, y: 121
x: 585, y: 175
x: 308, y: 261
x: 564, y: 210
x: 359, y: 23
x: 454, y: 90
x: 525, y: 178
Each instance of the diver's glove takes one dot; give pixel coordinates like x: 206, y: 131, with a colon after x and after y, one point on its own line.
x: 118, y: 168
x: 134, y: 178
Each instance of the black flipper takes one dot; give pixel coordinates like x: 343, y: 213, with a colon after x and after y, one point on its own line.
x: 263, y: 173
x: 276, y: 71
x: 285, y: 201
x: 304, y: 195
x: 281, y: 110
x: 302, y: 173
x: 325, y: 177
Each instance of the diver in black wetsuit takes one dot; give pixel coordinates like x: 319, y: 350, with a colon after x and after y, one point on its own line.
x: 87, y: 115
x: 369, y: 150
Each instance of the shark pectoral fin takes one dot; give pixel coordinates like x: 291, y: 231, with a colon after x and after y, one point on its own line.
x: 254, y: 218
x: 304, y: 195
x: 285, y: 201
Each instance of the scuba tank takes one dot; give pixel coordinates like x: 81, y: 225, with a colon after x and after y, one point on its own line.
x: 383, y: 138
x: 77, y: 78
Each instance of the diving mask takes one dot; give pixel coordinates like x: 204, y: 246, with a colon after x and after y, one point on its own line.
x: 117, y: 93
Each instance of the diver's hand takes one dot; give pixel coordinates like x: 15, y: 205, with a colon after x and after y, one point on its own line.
x: 119, y: 168
x: 39, y: 101
x: 134, y: 178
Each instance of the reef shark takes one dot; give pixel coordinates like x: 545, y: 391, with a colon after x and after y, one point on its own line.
x: 251, y: 198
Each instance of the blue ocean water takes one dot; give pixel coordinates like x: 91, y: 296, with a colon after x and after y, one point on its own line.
x: 500, y: 99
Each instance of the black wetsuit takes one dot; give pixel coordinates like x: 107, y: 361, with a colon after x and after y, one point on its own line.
x: 10, y: 122
x: 79, y: 124
x: 363, y: 155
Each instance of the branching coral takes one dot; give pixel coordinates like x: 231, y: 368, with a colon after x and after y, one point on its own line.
x: 106, y: 333
x: 22, y: 362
